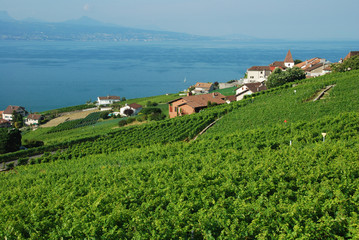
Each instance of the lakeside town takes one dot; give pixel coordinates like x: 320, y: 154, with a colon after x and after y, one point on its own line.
x: 195, y: 99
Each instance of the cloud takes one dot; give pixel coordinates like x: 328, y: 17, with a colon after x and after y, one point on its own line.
x: 86, y: 7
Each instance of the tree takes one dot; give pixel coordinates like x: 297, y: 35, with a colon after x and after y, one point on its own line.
x: 123, y: 99
x: 279, y: 77
x: 348, y: 64
x: 128, y: 112
x: 10, y: 140
x: 17, y: 119
x: 296, y: 61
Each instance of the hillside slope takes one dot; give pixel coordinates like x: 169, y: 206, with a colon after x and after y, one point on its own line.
x: 241, y: 180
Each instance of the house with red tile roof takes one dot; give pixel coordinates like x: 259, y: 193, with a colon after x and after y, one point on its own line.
x: 136, y: 108
x: 108, y: 100
x: 8, y: 112
x: 258, y: 73
x: 193, y: 104
x: 248, y: 89
x: 315, y: 67
x: 33, y: 119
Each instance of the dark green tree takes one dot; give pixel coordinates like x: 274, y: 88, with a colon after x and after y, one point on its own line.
x: 348, y: 64
x: 279, y: 77
x: 10, y: 140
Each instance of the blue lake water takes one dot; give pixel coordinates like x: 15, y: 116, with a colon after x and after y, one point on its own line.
x: 47, y: 75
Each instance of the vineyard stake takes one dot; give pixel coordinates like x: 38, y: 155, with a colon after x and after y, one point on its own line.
x: 324, y: 134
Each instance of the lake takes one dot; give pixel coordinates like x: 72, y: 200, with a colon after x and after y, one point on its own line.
x: 46, y: 75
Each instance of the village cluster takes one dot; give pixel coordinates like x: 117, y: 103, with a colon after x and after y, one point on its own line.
x: 200, y: 95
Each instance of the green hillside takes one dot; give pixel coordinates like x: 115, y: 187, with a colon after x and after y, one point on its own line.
x: 250, y: 176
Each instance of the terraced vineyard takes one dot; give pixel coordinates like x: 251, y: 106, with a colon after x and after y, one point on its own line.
x: 251, y: 176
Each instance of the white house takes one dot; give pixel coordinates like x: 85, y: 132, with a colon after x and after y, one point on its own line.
x: 108, y: 100
x: 202, y: 88
x: 136, y: 108
x: 33, y: 119
x: 7, y: 114
x: 248, y: 89
x: 258, y: 74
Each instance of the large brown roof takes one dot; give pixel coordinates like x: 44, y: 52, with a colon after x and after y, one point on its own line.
x: 231, y: 98
x: 110, y: 98
x: 34, y: 116
x: 278, y: 64
x: 313, y: 67
x: 307, y: 62
x: 256, y: 87
x: 289, y: 58
x: 351, y: 54
x: 10, y: 109
x: 135, y: 106
x: 202, y: 100
x: 259, y: 68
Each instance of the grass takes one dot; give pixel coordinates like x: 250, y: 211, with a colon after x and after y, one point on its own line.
x: 227, y: 91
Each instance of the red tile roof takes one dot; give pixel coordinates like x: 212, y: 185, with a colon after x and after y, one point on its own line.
x: 10, y: 109
x: 289, y: 58
x: 259, y: 68
x: 135, y: 106
x: 256, y: 87
x: 307, y: 62
x: 34, y: 116
x: 197, y: 101
x: 351, y: 54
x: 313, y: 67
x: 110, y: 98
x: 278, y: 64
x: 231, y: 98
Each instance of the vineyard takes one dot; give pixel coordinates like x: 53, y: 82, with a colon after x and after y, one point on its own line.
x: 251, y: 176
x: 87, y: 121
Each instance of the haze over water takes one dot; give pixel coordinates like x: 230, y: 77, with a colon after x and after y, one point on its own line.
x: 47, y: 75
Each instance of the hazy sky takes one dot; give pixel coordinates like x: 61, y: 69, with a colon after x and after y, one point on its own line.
x: 305, y: 19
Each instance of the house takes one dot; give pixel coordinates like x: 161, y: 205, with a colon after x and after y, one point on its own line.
x: 8, y: 112
x: 4, y: 123
x: 287, y: 63
x: 193, y: 104
x: 108, y: 100
x: 201, y: 88
x: 33, y: 119
x: 258, y: 74
x: 315, y: 67
x: 248, y: 89
x: 351, y: 54
x: 136, y: 108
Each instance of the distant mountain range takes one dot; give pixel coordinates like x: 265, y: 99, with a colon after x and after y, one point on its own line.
x: 83, y: 29
x: 88, y: 29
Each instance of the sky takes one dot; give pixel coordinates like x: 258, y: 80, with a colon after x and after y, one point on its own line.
x: 276, y: 19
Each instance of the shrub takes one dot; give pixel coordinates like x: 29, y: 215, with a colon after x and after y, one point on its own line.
x: 122, y: 123
x: 10, y: 166
x: 22, y: 161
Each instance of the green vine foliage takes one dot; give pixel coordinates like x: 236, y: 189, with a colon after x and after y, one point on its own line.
x: 251, y: 176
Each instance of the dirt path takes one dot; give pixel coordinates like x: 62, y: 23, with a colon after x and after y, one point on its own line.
x: 68, y: 116
x: 321, y: 94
